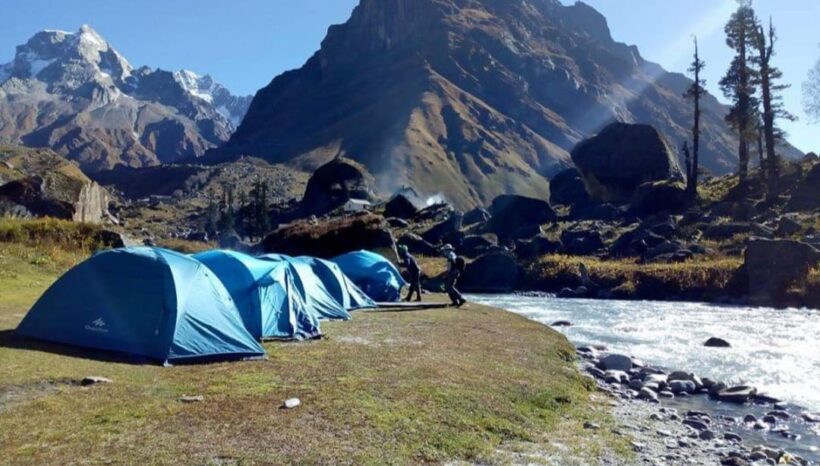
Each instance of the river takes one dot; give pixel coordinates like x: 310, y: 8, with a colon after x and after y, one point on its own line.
x: 777, y: 351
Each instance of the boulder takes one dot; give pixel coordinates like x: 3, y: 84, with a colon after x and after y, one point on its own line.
x: 492, y: 273
x: 55, y: 196
x: 724, y: 231
x: 476, y: 245
x: 567, y: 188
x: 477, y: 215
x: 416, y: 245
x: 582, y: 242
x: 615, y: 362
x: 332, y: 237
x: 787, y: 226
x: 681, y: 386
x: 807, y: 194
x: 658, y: 196
x: 511, y: 214
x: 446, y: 230
x: 772, y: 266
x: 333, y: 184
x: 622, y: 157
x: 715, y: 342
x: 538, y: 246
x: 400, y: 207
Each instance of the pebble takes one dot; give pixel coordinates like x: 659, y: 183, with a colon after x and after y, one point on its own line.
x: 94, y: 380
x: 192, y: 398
x: 591, y: 426
x: 715, y: 342
x: 561, y: 323
x: 292, y: 403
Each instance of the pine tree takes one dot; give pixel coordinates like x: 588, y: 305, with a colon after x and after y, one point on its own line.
x: 738, y: 84
x: 695, y: 92
x: 772, y: 101
x: 227, y: 220
x: 212, y: 217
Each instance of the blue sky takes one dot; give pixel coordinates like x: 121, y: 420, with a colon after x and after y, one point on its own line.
x: 245, y: 43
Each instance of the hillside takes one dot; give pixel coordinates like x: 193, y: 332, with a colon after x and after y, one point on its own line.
x: 74, y: 93
x: 474, y: 98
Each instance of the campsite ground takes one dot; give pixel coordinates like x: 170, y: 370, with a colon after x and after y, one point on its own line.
x: 385, y: 388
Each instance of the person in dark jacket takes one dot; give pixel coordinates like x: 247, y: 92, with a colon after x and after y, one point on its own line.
x: 455, y: 266
x: 413, y: 272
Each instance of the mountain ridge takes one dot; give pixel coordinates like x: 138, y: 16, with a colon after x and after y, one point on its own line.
x: 76, y: 94
x: 479, y: 97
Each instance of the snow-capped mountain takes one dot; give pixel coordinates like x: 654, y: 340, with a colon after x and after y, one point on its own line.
x: 76, y: 94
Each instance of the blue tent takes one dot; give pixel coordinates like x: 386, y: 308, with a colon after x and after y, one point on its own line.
x: 338, y: 284
x: 320, y: 301
x: 374, y: 274
x: 265, y: 294
x: 145, y: 302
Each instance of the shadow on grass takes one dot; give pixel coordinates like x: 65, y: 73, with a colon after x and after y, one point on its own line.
x: 12, y: 340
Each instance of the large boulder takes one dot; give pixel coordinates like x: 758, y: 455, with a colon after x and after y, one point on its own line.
x: 514, y: 217
x: 331, y: 238
x: 658, y: 196
x: 582, y: 242
x: 477, y: 245
x: 493, y: 273
x: 333, y: 184
x: 772, y: 266
x: 621, y: 158
x: 535, y: 247
x: 400, y: 207
x: 807, y: 194
x: 477, y: 215
x: 55, y: 196
x: 567, y: 188
x: 446, y: 231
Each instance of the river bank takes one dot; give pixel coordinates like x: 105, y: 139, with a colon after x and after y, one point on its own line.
x: 767, y: 351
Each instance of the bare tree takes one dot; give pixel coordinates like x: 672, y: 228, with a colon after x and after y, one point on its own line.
x: 811, y: 93
x: 695, y: 92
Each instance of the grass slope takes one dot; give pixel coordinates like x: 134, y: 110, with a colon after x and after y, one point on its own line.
x: 384, y: 388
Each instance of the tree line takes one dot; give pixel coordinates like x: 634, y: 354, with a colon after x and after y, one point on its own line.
x: 245, y: 213
x: 753, y: 84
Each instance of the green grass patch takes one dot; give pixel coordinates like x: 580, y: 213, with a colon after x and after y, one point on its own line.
x: 385, y: 388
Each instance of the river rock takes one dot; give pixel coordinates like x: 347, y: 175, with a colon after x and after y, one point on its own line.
x: 598, y: 373
x: 647, y: 394
x: 613, y: 376
x: 811, y: 417
x: 696, y: 424
x: 706, y: 435
x: 732, y: 437
x: 779, y: 414
x: 738, y: 394
x: 492, y: 273
x: 769, y: 419
x: 682, y: 386
x: 666, y: 394
x: 715, y: 342
x: 636, y: 384
x: 561, y: 323
x: 512, y: 214
x: 617, y: 362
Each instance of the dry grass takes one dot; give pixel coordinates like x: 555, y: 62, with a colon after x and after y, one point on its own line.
x: 650, y: 281
x: 186, y: 247
x: 384, y: 388
x: 49, y: 233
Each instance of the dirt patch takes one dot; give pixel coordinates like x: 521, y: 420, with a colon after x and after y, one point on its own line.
x: 15, y: 395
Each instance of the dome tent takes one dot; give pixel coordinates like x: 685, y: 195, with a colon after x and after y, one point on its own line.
x: 339, y: 285
x: 144, y: 302
x: 265, y: 295
x: 373, y: 273
x: 319, y: 299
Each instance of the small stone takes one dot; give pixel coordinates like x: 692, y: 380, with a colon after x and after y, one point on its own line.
x: 591, y: 426
x: 637, y: 446
x: 715, y: 342
x: 561, y: 323
x: 811, y: 417
x: 666, y: 394
x: 596, y: 372
x: 695, y: 424
x: 292, y: 403
x: 94, y: 380
x: 706, y: 435
x: 749, y: 419
x: 732, y: 437
x: 740, y: 394
x: 192, y: 398
x: 647, y: 394
x: 779, y: 414
x: 769, y: 419
x: 664, y: 433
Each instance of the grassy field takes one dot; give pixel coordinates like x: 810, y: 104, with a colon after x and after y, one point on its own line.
x: 384, y: 388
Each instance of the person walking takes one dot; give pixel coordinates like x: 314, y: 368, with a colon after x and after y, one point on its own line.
x: 455, y: 266
x: 413, y: 272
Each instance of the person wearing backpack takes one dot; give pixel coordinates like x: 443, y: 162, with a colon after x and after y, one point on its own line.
x: 455, y: 267
x: 413, y: 271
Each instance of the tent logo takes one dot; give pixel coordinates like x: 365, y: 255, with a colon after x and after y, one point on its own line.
x: 97, y: 326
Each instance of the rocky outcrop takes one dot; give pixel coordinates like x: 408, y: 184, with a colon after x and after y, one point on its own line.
x: 516, y: 217
x: 493, y: 273
x: 331, y: 238
x: 772, y: 266
x: 334, y: 184
x: 622, y: 157
x: 475, y: 98
x: 807, y: 194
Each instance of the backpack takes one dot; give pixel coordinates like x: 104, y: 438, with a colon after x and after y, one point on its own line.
x: 460, y: 264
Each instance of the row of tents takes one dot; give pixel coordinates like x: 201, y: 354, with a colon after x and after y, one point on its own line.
x: 217, y: 305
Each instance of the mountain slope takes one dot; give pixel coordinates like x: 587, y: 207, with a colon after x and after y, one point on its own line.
x: 474, y: 98
x: 74, y: 93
